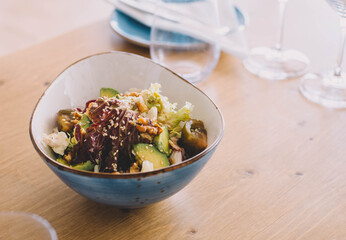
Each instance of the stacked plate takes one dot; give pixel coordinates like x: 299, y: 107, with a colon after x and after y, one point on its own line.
x: 138, y: 33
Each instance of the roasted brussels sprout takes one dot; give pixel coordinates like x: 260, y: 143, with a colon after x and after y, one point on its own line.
x: 64, y: 120
x: 194, y: 137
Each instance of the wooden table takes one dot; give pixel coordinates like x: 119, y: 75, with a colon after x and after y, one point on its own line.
x: 279, y: 172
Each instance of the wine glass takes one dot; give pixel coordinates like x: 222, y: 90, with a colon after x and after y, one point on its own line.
x: 20, y: 225
x: 179, y: 38
x: 276, y: 63
x: 329, y: 88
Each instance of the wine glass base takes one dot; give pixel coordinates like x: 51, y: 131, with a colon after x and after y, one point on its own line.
x: 272, y: 64
x: 324, y: 89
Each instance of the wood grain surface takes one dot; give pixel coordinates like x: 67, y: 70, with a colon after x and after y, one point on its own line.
x: 279, y: 172
x: 25, y: 23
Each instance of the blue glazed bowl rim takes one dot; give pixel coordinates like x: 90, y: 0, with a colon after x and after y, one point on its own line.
x: 138, y: 175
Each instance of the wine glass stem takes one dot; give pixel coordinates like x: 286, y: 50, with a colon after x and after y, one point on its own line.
x: 338, y: 70
x: 282, y: 10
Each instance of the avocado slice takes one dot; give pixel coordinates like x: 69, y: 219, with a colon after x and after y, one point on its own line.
x: 108, y: 92
x: 62, y: 161
x: 145, y: 151
x: 84, y: 122
x: 161, y: 142
x: 87, y: 166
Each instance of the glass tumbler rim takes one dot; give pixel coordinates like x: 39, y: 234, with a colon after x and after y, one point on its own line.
x: 38, y: 219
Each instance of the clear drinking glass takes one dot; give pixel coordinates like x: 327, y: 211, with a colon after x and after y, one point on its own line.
x: 181, y: 38
x: 329, y: 88
x: 277, y: 63
x: 20, y: 225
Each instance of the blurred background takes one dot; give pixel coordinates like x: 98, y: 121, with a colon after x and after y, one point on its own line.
x: 25, y: 23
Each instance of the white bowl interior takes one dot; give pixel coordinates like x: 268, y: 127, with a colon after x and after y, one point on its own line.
x: 82, y: 81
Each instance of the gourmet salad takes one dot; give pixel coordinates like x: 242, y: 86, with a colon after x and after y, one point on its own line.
x: 135, y: 131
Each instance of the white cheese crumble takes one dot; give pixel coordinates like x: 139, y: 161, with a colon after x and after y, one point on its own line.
x: 177, y: 157
x: 147, y: 166
x: 58, y: 141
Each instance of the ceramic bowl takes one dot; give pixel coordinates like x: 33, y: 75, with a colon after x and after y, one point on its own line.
x: 81, y: 82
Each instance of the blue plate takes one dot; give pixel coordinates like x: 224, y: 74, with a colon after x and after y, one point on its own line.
x: 139, y: 34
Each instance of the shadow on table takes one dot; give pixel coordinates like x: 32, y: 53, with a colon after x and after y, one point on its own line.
x: 110, y: 221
